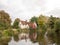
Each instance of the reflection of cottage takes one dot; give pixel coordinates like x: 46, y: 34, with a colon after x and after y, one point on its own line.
x: 23, y: 36
x: 33, y: 36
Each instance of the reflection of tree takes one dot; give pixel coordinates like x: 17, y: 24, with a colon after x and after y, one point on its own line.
x: 15, y: 34
x: 5, y: 37
x: 16, y: 38
x: 40, y: 37
x: 51, y: 36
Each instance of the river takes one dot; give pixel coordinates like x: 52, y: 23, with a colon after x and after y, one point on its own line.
x: 22, y: 42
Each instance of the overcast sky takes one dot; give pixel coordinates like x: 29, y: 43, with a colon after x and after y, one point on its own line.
x: 25, y: 9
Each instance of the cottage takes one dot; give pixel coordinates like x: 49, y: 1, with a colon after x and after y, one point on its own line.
x: 23, y: 25
x: 32, y: 25
x: 26, y: 25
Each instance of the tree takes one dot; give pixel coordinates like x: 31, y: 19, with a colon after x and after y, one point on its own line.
x: 16, y: 23
x: 33, y: 31
x: 41, y: 28
x: 5, y: 21
x: 33, y: 19
x: 53, y: 24
x: 57, y: 31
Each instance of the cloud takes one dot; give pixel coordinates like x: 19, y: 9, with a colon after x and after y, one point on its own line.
x: 55, y: 12
x: 25, y: 9
x: 2, y: 6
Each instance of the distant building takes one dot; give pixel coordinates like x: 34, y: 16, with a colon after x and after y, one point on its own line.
x: 32, y: 25
x: 25, y: 24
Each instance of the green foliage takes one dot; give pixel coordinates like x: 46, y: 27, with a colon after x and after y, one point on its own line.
x: 5, y: 21
x: 54, y: 30
x: 41, y: 21
x: 57, y: 31
x: 40, y: 36
x: 16, y: 38
x: 41, y: 28
x: 5, y: 36
x: 51, y: 22
x: 51, y: 35
x: 33, y: 19
x: 51, y: 25
x: 7, y: 33
x: 16, y: 23
x: 57, y: 24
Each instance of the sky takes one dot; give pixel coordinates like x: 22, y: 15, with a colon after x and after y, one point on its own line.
x: 25, y: 9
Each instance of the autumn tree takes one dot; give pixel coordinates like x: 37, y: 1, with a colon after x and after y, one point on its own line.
x: 41, y: 28
x: 51, y: 29
x: 5, y: 21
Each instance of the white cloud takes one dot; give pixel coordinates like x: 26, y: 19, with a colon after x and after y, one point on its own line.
x: 25, y: 9
x: 52, y: 4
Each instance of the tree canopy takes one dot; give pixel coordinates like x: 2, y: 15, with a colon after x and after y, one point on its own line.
x: 5, y: 20
x: 16, y: 23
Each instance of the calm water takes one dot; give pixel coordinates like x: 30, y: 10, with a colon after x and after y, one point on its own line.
x: 21, y: 42
x: 24, y: 42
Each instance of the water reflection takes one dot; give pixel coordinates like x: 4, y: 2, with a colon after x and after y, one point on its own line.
x: 25, y: 41
x: 21, y: 42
